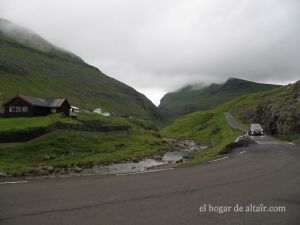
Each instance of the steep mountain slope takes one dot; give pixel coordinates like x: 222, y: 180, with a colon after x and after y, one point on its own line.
x: 190, y: 99
x: 32, y: 66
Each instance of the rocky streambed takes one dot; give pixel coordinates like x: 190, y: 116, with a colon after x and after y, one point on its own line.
x: 180, y: 151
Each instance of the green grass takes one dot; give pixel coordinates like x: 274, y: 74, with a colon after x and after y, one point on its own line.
x: 294, y: 138
x: 67, y: 148
x: 79, y: 148
x: 31, y: 122
x: 105, y: 121
x: 210, y: 127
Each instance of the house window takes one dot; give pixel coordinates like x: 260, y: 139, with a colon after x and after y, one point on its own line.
x: 12, y: 108
x: 18, y: 108
x: 25, y: 109
x: 53, y: 110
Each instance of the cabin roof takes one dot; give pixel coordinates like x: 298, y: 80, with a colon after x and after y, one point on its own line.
x: 44, y: 102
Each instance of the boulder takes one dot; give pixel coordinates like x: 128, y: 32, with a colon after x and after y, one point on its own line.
x: 50, y: 169
x: 42, y: 172
x: 77, y: 169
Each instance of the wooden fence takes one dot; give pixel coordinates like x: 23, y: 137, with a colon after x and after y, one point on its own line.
x: 28, y: 134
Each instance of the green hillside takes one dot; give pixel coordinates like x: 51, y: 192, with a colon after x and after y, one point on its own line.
x: 32, y: 66
x: 190, y: 99
x: 209, y: 127
x: 278, y: 110
x: 65, y: 149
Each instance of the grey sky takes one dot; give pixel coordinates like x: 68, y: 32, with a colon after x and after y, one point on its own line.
x: 160, y: 45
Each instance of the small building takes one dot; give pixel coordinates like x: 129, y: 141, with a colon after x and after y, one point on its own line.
x: 26, y: 106
x: 74, y: 109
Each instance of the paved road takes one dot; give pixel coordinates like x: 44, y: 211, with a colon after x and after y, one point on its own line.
x: 266, y: 139
x: 258, y: 174
x: 232, y: 122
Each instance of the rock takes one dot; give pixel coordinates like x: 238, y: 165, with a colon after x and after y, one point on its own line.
x: 230, y: 147
x: 42, y: 172
x: 47, y: 157
x: 77, y: 169
x: 50, y: 169
x: 279, y: 114
x: 157, y: 157
x: 179, y: 161
x: 42, y: 167
x: 62, y: 171
x: 116, y: 160
x: 56, y: 170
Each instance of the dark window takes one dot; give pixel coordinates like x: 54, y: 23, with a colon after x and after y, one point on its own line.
x: 25, y: 109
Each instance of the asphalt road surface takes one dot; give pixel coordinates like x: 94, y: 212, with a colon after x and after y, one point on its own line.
x: 267, y: 174
x: 265, y: 139
x: 232, y: 122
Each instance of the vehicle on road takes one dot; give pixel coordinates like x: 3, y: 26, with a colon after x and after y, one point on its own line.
x: 256, y: 129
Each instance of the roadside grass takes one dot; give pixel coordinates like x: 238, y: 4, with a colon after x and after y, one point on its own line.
x: 293, y: 138
x: 69, y: 148
x: 219, y: 140
x: 210, y: 127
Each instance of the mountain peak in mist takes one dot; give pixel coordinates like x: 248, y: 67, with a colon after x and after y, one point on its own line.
x: 22, y: 34
x: 28, y: 37
x: 187, y: 100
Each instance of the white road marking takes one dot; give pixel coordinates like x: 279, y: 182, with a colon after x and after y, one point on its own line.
x: 218, y: 159
x: 242, y: 152
x: 14, y: 182
x: 141, y: 172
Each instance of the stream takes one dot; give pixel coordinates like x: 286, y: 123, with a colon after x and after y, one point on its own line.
x: 184, y: 149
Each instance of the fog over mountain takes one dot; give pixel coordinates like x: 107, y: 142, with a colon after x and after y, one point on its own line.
x: 159, y: 46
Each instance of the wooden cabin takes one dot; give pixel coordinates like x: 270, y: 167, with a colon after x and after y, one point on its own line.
x: 27, y: 106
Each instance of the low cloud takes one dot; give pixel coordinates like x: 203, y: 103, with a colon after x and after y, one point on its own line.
x: 160, y: 46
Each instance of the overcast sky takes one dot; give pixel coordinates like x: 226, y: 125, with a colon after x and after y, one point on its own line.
x: 157, y: 46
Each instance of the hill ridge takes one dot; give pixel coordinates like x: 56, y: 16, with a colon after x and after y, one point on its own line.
x: 187, y: 100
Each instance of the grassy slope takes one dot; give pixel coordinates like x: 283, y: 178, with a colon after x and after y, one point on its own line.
x: 53, y: 73
x: 80, y: 148
x: 189, y: 100
x: 204, y: 126
x: 22, y: 123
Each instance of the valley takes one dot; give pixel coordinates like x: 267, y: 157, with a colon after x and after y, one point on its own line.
x: 35, y: 67
x: 149, y: 113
